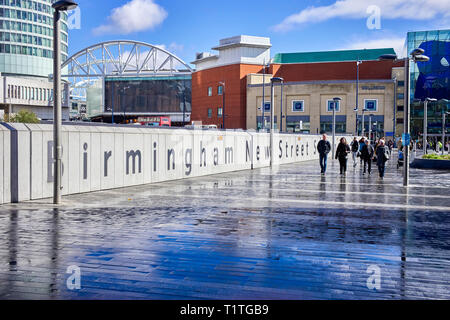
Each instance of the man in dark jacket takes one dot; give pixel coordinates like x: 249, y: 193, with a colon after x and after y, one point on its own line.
x: 382, y: 157
x: 324, y: 148
x: 367, y: 153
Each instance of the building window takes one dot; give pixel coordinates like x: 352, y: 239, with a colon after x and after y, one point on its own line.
x: 266, y: 106
x: 219, y: 112
x: 298, y: 106
x: 220, y: 90
x: 400, y: 108
x: 327, y: 127
x: 400, y: 96
x: 209, y: 113
x: 209, y: 91
x: 371, y: 105
x: 331, y: 105
x: 400, y: 121
x: 401, y: 83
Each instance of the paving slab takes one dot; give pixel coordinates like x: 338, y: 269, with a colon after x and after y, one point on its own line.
x: 282, y: 233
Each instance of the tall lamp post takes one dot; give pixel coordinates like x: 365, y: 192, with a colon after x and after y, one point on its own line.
x: 272, y: 116
x: 425, y: 123
x: 335, y: 103
x: 370, y: 126
x: 363, y: 129
x: 357, y: 93
x: 58, y: 6
x: 444, y: 128
x: 222, y: 83
x: 417, y: 55
x: 281, y: 106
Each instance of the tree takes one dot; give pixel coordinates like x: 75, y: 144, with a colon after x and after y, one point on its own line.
x: 23, y: 116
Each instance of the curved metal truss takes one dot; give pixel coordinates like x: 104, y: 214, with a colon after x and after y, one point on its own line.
x: 120, y: 58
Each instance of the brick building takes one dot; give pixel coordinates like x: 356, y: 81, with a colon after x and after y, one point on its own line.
x: 311, y: 80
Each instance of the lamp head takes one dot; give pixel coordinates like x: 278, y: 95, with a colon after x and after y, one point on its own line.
x: 385, y: 57
x: 277, y: 79
x: 431, y: 99
x: 337, y: 99
x: 64, y: 5
x: 417, y: 51
x: 421, y: 58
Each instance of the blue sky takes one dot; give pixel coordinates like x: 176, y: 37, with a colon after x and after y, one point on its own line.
x: 187, y: 27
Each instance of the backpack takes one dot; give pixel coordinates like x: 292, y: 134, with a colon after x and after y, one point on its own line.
x: 387, y: 155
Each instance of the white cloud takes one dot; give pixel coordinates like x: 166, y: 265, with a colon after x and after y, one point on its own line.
x: 357, y: 9
x: 134, y: 16
x: 393, y: 42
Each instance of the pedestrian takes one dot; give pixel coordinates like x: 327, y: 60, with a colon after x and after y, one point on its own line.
x: 400, y: 144
x: 382, y: 157
x: 439, y: 146
x: 367, y: 155
x: 342, y: 152
x: 390, y: 146
x: 324, y: 148
x: 355, y: 150
x: 362, y: 142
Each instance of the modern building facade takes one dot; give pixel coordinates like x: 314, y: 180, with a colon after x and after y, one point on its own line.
x: 313, y: 79
x: 128, y: 81
x: 430, y: 80
x: 219, y: 84
x: 26, y: 56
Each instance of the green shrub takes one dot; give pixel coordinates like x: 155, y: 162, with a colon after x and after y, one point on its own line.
x: 23, y: 116
x: 436, y: 157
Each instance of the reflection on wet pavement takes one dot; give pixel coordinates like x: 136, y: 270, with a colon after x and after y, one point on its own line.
x: 283, y: 234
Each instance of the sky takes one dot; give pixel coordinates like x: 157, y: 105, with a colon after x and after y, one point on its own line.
x: 186, y: 27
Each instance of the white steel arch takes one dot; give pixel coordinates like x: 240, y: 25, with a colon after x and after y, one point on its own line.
x: 119, y: 58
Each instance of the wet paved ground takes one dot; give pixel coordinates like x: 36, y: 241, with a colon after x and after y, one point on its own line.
x: 262, y: 234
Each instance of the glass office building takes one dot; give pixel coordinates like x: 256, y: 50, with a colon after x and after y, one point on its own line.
x: 429, y: 79
x: 26, y: 37
x: 131, y: 97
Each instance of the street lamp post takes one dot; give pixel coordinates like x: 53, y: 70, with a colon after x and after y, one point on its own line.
x: 425, y: 123
x: 395, y: 108
x: 416, y: 55
x: 263, y: 125
x: 444, y: 113
x: 222, y: 83
x: 370, y: 126
x: 58, y: 6
x: 362, y: 120
x: 335, y: 103
x: 281, y: 106
x: 357, y: 93
x: 272, y: 115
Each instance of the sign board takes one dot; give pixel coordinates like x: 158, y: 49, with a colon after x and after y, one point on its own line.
x: 389, y: 134
x: 406, y: 138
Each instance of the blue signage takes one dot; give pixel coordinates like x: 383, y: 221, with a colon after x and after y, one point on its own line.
x: 389, y: 134
x: 406, y: 138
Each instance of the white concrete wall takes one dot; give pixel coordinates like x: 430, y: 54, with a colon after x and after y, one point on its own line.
x: 101, y: 157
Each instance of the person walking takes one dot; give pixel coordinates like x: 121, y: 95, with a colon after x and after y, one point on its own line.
x: 367, y: 153
x: 355, y: 149
x: 342, y: 152
x: 324, y: 148
x: 382, y: 156
x: 362, y: 142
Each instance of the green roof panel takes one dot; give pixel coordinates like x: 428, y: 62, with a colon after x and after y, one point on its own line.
x: 331, y: 56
